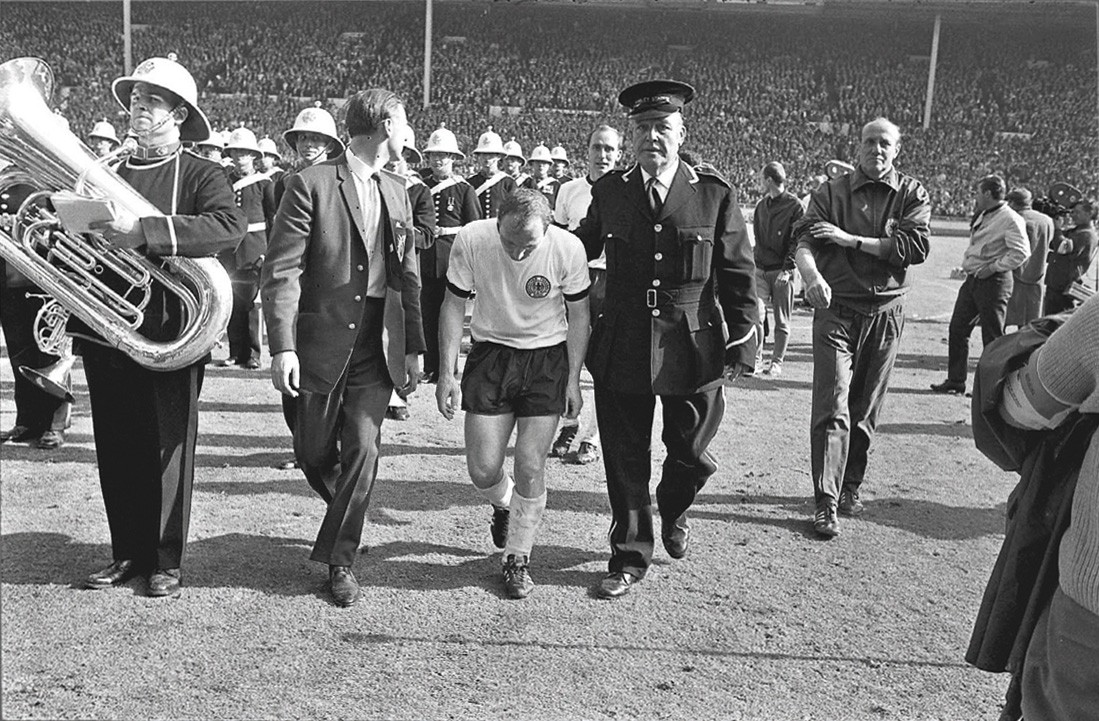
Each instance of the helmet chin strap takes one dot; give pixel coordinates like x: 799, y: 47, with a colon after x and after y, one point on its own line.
x: 144, y: 135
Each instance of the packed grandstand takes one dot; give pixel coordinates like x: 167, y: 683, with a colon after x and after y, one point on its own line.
x: 1015, y: 91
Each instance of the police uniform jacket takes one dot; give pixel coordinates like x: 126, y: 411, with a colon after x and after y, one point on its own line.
x: 489, y: 199
x: 314, y: 290
x: 255, y: 195
x: 455, y: 205
x: 681, y: 299
x: 201, y: 219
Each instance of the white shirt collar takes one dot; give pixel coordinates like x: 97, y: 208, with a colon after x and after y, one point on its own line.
x: 665, y: 178
x: 358, y: 167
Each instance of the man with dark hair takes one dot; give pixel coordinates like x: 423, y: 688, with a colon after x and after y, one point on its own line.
x: 679, y: 316
x: 1026, y: 299
x: 858, y: 237
x: 524, y: 367
x: 341, y: 297
x: 997, y: 246
x: 1071, y: 274
x: 773, y: 221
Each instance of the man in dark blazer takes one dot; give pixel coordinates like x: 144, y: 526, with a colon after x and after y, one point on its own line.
x: 678, y: 264
x: 341, y: 298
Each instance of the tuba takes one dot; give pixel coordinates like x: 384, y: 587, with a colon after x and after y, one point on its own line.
x: 106, y: 287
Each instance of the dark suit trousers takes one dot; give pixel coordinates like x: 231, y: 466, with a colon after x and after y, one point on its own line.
x: 337, y: 441
x: 625, y: 426
x: 853, y: 356
x: 432, y: 293
x: 34, y: 408
x: 146, y: 424
x: 981, y: 301
x: 243, y: 330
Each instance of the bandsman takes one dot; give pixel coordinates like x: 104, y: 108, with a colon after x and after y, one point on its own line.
x: 456, y: 205
x: 541, y: 172
x: 103, y: 139
x: 491, y: 184
x: 560, y: 164
x: 514, y: 160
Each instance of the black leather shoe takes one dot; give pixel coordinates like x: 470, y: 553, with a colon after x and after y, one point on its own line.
x: 251, y: 364
x: 114, y: 574
x: 616, y: 584
x: 18, y: 434
x: 164, y: 582
x: 953, y: 388
x: 344, y: 587
x: 397, y: 413
x: 675, y: 535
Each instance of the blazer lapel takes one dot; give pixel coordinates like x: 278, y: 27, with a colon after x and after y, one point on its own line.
x: 351, y: 197
x: 681, y: 191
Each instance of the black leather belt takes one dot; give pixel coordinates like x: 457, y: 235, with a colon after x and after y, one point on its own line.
x: 655, y: 297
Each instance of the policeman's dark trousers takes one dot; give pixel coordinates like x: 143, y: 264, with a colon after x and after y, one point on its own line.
x: 625, y: 425
x: 432, y: 293
x: 34, y: 408
x: 981, y: 301
x: 244, y: 326
x: 853, y: 356
x: 337, y: 441
x: 145, y: 424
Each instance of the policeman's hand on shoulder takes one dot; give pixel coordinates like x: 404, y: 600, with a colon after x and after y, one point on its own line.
x: 573, y: 400
x: 448, y: 395
x: 412, y: 371
x: 818, y: 293
x: 286, y: 372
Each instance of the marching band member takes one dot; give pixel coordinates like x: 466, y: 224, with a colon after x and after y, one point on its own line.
x: 146, y: 421
x: 490, y: 183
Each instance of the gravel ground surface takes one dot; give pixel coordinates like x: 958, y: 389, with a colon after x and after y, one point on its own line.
x: 760, y: 621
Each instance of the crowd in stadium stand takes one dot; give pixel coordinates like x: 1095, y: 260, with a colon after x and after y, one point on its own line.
x: 772, y: 86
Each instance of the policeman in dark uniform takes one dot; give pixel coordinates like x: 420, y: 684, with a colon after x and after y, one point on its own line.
x: 255, y: 195
x: 678, y: 263
x: 146, y: 421
x: 455, y: 205
x: 490, y: 183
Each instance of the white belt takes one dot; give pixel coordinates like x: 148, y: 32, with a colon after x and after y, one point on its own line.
x: 257, y: 227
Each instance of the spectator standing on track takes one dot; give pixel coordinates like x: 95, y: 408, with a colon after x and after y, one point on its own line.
x: 1026, y: 299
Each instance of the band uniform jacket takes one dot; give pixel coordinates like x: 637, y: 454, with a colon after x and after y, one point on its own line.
x: 423, y: 213
x: 549, y: 188
x: 313, y: 295
x: 489, y: 199
x: 455, y: 205
x: 680, y: 297
x: 201, y: 219
x: 255, y: 195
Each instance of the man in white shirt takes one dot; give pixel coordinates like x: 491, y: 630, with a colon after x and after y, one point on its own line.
x: 997, y: 245
x: 573, y: 199
x: 524, y: 367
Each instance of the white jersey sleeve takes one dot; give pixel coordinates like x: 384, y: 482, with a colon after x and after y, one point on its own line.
x: 459, y: 275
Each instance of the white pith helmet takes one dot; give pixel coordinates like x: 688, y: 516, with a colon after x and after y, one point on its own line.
x: 268, y: 147
x: 103, y: 130
x: 558, y: 153
x: 443, y: 141
x: 490, y: 143
x: 167, y: 74
x: 314, y: 120
x: 541, y: 154
x: 243, y: 139
x: 512, y: 149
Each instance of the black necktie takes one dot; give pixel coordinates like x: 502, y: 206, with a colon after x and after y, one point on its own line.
x: 654, y: 197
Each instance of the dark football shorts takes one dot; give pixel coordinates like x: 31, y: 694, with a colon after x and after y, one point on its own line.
x: 498, y: 379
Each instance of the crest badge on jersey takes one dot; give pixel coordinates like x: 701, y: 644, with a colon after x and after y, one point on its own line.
x: 538, y: 286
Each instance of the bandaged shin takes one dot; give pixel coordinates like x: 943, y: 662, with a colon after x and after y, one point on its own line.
x: 499, y: 494
x: 526, y: 516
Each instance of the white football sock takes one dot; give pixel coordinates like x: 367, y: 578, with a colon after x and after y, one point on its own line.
x: 526, y: 516
x: 499, y: 494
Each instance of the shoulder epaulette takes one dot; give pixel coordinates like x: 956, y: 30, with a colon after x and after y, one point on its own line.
x: 709, y: 171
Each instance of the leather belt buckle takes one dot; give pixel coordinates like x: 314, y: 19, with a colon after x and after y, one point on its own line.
x: 650, y: 298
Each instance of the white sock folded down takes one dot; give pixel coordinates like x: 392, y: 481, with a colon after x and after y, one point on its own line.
x: 526, y: 517
x: 499, y: 495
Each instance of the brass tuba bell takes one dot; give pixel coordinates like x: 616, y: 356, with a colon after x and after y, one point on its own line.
x: 105, y: 286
